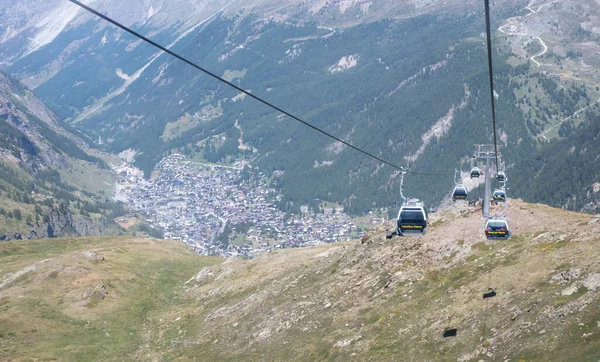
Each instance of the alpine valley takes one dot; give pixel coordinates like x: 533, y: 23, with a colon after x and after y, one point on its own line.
x: 406, y: 81
x: 101, y: 133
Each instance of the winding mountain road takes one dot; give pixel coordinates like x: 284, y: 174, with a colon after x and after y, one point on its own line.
x: 540, y: 54
x: 515, y: 26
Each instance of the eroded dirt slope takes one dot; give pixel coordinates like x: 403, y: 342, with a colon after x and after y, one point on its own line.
x: 393, y: 299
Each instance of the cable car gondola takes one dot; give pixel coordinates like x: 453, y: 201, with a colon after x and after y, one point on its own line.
x: 499, y: 196
x: 475, y: 173
x: 501, y: 177
x: 459, y: 193
x: 412, y: 219
x: 497, y: 228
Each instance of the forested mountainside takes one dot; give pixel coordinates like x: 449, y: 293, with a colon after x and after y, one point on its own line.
x: 565, y: 173
x: 407, y: 83
x: 45, y: 176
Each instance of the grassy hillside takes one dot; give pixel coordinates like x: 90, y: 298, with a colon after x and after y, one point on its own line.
x: 89, y: 298
x: 381, y: 300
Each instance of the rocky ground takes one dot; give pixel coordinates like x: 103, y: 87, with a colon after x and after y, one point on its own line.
x: 393, y: 299
x: 377, y: 300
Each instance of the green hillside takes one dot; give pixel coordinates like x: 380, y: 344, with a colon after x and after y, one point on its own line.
x: 139, y: 299
x: 90, y: 298
x: 410, y: 87
x: 564, y: 173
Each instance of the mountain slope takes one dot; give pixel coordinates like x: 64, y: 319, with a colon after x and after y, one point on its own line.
x: 37, y: 130
x: 566, y: 170
x: 370, y: 80
x: 381, y: 300
x: 392, y: 300
x: 43, y: 169
x: 405, y: 81
x: 90, y: 297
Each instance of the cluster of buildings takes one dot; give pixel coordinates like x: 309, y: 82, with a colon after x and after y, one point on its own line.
x: 226, y: 211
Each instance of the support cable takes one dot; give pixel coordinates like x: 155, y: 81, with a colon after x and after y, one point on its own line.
x: 491, y: 73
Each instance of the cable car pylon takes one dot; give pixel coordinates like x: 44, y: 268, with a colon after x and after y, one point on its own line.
x: 486, y: 152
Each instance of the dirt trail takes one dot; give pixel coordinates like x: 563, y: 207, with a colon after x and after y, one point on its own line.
x: 543, y: 134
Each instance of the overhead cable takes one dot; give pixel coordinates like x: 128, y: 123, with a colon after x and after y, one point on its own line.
x: 491, y: 73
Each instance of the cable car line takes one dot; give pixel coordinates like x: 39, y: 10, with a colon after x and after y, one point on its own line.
x: 259, y: 99
x: 491, y: 74
x: 496, y: 227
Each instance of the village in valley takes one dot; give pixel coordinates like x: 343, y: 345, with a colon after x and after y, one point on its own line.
x: 225, y: 210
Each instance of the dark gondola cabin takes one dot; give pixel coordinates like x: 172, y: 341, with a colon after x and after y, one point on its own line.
x: 499, y: 196
x: 412, y: 219
x: 475, y: 173
x: 496, y: 228
x: 459, y: 193
x: 501, y: 177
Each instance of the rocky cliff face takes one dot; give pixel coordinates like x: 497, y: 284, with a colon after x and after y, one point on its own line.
x: 60, y: 224
x: 34, y: 150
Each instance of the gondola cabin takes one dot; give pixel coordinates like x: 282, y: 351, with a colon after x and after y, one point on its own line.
x: 497, y: 228
x: 412, y: 219
x: 501, y: 177
x: 499, y: 196
x: 459, y: 193
x: 475, y: 173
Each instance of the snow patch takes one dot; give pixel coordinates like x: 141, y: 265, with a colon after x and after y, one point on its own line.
x: 345, y: 63
x: 151, y: 12
x: 324, y: 163
x: 122, y: 75
x: 336, y: 147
